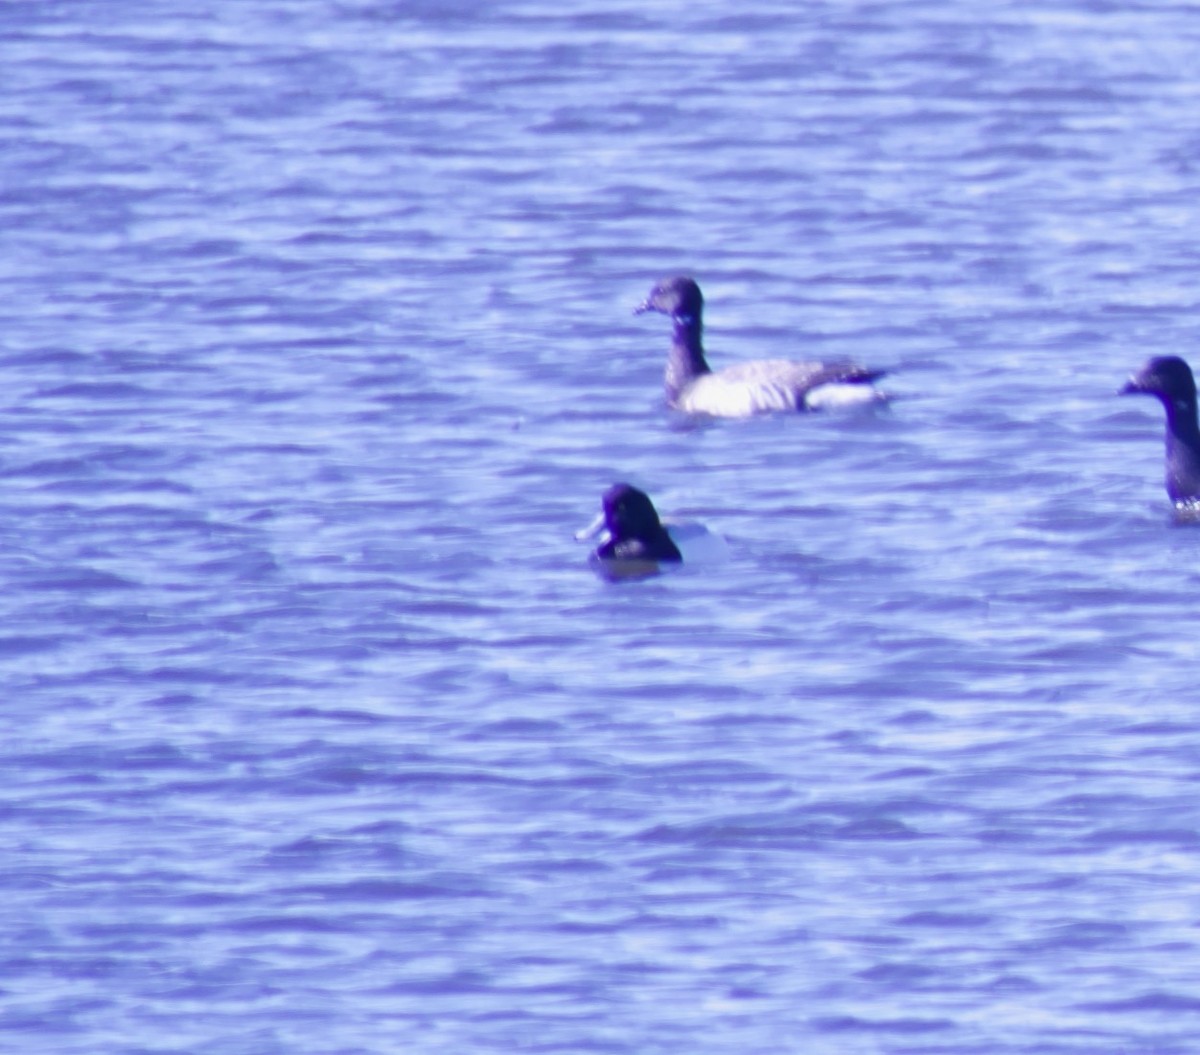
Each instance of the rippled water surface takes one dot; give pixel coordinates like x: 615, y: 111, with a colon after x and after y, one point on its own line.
x: 320, y: 736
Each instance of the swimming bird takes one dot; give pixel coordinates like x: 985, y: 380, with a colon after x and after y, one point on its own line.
x: 757, y: 387
x: 1170, y: 379
x: 635, y: 539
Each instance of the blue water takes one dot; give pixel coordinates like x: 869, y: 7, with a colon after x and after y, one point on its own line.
x: 319, y: 736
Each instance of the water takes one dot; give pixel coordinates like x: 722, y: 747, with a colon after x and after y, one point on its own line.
x: 319, y: 736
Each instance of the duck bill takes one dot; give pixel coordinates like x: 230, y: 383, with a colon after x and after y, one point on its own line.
x: 592, y: 530
x: 644, y: 307
x: 1131, y: 387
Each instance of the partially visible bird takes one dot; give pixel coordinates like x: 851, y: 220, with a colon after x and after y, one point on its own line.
x: 1170, y: 379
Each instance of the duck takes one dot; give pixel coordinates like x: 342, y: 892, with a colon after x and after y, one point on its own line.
x: 762, y: 386
x: 1170, y: 380
x: 635, y: 540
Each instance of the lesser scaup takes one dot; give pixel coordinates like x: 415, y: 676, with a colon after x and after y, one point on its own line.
x: 757, y: 387
x: 635, y: 540
x: 1170, y: 379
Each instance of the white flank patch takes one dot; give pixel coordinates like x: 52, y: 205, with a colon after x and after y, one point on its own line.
x: 840, y: 396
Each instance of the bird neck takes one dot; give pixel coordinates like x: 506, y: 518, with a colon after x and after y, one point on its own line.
x: 1183, y: 450
x: 1181, y: 419
x: 685, y: 361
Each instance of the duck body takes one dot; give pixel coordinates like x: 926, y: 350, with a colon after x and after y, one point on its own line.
x: 1170, y: 380
x: 763, y: 386
x: 767, y: 386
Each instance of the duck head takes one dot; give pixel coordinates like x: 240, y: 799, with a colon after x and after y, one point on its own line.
x: 678, y: 297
